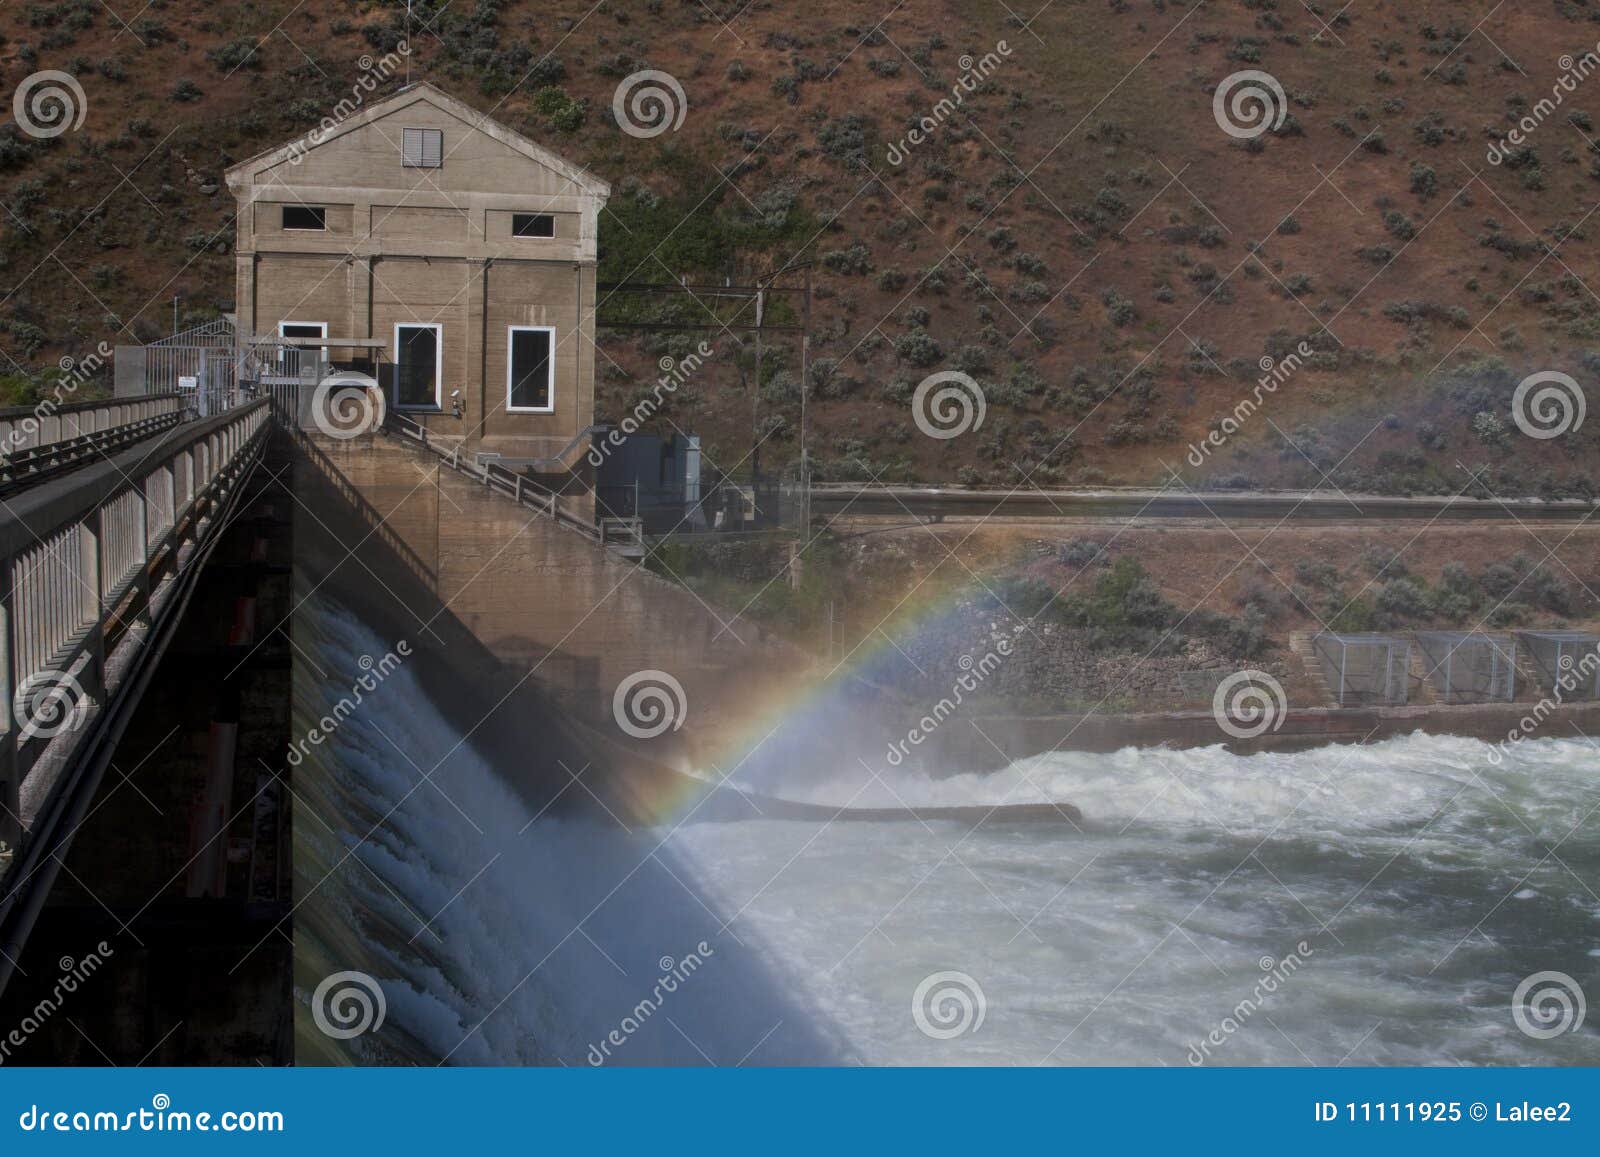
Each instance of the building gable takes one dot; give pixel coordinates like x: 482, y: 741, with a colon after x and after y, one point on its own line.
x: 477, y: 154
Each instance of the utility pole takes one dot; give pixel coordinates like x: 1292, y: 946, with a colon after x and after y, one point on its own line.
x: 805, y: 370
x: 755, y: 402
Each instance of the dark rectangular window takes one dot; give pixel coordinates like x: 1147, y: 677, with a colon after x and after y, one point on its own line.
x: 416, y: 365
x: 422, y: 148
x: 533, y: 225
x: 529, y: 369
x: 305, y: 217
x: 290, y: 358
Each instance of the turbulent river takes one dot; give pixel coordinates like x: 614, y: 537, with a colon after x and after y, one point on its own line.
x: 1367, y: 905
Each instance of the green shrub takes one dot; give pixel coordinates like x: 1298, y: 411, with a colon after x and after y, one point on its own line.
x: 918, y: 348
x: 1403, y: 598
x: 558, y: 109
x: 1399, y: 224
x: 1118, y: 308
x: 1081, y: 552
x: 854, y: 260
x: 1489, y: 429
x: 236, y: 54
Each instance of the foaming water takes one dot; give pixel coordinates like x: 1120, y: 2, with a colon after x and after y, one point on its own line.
x: 1395, y: 894
x: 1397, y: 781
x: 1411, y: 884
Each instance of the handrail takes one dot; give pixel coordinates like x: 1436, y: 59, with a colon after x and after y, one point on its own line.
x: 550, y: 463
x: 46, y: 423
x: 33, y: 465
x: 518, y: 487
x: 87, y: 564
x: 8, y: 413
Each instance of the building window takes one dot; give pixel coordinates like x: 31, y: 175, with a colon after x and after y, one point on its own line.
x: 289, y: 357
x: 423, y: 148
x: 533, y: 225
x: 418, y: 365
x: 305, y: 217
x: 530, y: 369
x: 302, y: 329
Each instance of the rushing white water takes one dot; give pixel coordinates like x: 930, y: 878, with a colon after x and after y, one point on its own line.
x: 1425, y: 881
x: 499, y: 935
x: 1422, y: 881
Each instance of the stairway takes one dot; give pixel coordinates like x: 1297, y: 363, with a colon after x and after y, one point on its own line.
x: 1531, y: 684
x: 1316, y: 677
x: 1419, y: 686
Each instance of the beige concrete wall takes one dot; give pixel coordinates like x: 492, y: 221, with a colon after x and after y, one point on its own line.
x: 420, y: 222
x: 567, y: 228
x: 294, y: 287
x: 369, y: 155
x: 370, y: 221
x: 278, y: 287
x: 548, y: 599
x: 270, y: 233
x: 539, y: 294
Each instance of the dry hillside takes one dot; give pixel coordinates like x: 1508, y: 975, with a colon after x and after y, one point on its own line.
x: 1077, y: 233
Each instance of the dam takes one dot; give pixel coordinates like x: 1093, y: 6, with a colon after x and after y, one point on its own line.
x: 355, y: 717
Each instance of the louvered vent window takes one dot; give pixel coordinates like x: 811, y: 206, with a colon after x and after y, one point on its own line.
x: 424, y: 148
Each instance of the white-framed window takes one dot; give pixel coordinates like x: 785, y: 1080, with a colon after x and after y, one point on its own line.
x: 422, y: 148
x: 303, y: 329
x: 289, y: 356
x: 418, y: 365
x: 530, y: 369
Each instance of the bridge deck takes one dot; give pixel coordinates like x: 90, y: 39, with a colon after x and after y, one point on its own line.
x: 95, y: 568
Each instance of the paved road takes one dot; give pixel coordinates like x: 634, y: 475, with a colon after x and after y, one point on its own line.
x: 1232, y: 506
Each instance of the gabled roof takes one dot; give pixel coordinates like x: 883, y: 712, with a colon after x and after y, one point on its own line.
x: 405, y: 97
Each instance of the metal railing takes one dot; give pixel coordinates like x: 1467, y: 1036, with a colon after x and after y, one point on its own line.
x: 628, y: 532
x: 85, y: 571
x: 272, y: 362
x: 25, y: 428
x: 35, y: 446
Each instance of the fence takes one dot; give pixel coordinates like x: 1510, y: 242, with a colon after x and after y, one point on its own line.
x: 1365, y: 669
x: 212, y: 374
x: 271, y: 363
x: 1567, y: 663
x: 1469, y: 666
x: 81, y: 572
